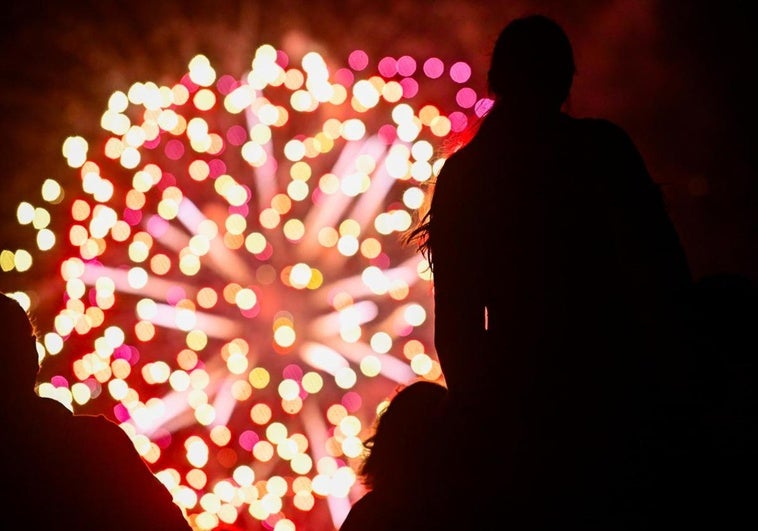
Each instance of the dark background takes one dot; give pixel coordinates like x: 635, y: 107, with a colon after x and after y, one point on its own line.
x: 676, y: 74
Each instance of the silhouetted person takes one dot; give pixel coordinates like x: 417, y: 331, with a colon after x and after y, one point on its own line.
x: 718, y: 475
x: 555, y: 266
x: 63, y: 471
x: 401, y: 468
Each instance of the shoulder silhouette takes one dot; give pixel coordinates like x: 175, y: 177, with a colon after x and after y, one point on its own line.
x: 66, y: 471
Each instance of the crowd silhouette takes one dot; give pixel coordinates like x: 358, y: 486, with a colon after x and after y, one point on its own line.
x: 64, y: 471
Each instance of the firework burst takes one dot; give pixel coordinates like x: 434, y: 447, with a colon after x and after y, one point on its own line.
x: 234, y: 289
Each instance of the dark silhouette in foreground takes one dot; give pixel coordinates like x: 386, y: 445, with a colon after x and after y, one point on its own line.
x: 716, y: 487
x: 63, y: 471
x: 402, y: 464
x: 556, y: 273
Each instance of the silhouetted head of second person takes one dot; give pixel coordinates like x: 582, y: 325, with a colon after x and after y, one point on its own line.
x: 532, y: 64
x: 405, y: 435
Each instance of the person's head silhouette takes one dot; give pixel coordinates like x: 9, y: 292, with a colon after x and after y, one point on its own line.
x: 532, y: 64
x: 403, y: 436
x: 21, y: 363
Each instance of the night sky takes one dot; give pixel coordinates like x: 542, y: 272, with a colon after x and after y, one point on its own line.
x: 675, y: 74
